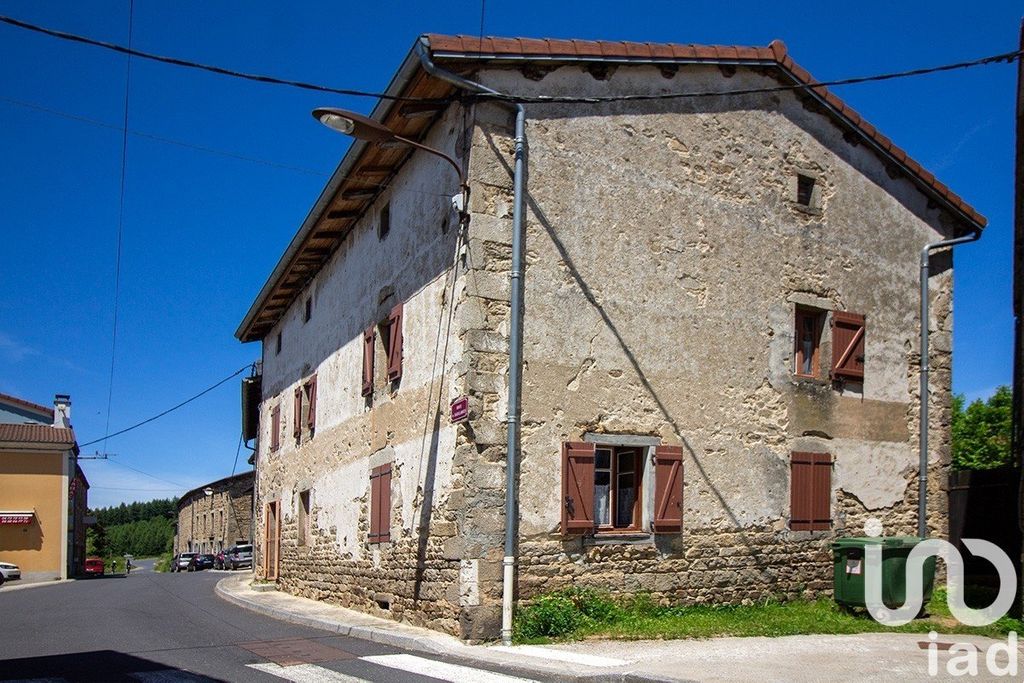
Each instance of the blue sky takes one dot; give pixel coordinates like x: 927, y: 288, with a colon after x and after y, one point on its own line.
x: 202, y: 230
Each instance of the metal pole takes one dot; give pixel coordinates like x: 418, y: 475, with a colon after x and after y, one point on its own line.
x: 922, y: 472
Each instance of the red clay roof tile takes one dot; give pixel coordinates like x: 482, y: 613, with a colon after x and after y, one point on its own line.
x: 29, y: 433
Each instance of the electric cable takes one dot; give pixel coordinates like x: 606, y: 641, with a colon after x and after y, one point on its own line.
x: 169, y: 410
x: 273, y: 80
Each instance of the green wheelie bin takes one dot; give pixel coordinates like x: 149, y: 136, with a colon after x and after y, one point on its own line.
x: 848, y: 566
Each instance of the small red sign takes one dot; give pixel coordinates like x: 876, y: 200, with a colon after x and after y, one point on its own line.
x: 460, y: 409
x: 16, y: 518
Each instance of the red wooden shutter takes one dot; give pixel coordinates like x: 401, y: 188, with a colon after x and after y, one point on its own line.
x: 374, y: 535
x: 668, y: 489
x: 577, y: 487
x: 395, y: 343
x: 311, y: 398
x: 368, y: 338
x: 275, y: 428
x: 384, y: 524
x: 297, y: 421
x: 811, y: 492
x: 847, y: 345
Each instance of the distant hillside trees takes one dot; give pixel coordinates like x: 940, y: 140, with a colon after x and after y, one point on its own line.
x: 139, y: 529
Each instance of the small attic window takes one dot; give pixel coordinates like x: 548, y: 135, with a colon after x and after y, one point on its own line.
x: 309, y: 310
x: 278, y: 352
x: 805, y: 192
x: 804, y: 189
x: 384, y: 225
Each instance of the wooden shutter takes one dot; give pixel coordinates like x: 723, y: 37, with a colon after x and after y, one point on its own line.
x: 395, y: 343
x: 275, y: 428
x: 368, y: 339
x: 297, y: 421
x: 384, y: 524
x: 311, y: 399
x: 380, y: 504
x: 577, y: 487
x: 810, y: 492
x: 374, y: 535
x: 668, y: 489
x: 847, y: 345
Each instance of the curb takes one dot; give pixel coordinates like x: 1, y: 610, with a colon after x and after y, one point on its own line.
x: 427, y: 645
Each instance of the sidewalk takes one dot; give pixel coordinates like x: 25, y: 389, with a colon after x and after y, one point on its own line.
x: 862, y: 657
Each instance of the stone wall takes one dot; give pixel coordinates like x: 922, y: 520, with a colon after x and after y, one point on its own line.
x: 666, y: 254
x: 216, y: 522
x: 414, y: 577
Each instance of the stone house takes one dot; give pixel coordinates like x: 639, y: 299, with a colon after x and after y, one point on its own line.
x: 215, y: 516
x: 720, y: 355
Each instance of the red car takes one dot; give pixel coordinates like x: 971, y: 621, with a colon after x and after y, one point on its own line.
x: 94, y: 566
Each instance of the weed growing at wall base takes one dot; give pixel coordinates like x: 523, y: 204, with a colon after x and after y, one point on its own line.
x: 577, y: 613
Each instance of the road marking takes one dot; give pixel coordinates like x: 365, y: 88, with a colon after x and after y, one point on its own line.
x: 431, y: 668
x: 306, y: 673
x: 169, y: 676
x: 560, y: 655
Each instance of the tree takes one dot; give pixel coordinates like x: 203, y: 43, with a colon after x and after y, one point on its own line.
x: 981, y: 431
x: 96, y: 540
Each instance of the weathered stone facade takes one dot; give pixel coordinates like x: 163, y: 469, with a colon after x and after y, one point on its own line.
x: 215, y: 522
x: 666, y: 254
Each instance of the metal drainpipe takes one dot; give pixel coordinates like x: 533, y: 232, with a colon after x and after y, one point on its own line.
x: 922, y: 476
x: 515, y: 346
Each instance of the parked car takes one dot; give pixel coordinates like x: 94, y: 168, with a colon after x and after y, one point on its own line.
x: 9, y: 572
x: 239, y: 556
x: 204, y: 561
x: 94, y: 566
x: 184, y: 562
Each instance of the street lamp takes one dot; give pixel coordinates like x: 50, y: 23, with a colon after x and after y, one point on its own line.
x: 364, y: 128
x: 208, y: 491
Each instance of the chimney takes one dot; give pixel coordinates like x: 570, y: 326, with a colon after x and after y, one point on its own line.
x: 62, y: 410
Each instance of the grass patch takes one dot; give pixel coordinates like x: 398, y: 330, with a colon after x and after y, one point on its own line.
x: 577, y: 613
x: 163, y: 563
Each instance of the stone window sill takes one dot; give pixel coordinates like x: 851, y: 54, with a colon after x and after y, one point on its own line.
x: 619, y: 539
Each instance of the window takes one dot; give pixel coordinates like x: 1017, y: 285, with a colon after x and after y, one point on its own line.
x: 602, y: 489
x: 616, y: 489
x: 805, y: 192
x: 810, y: 491
x: 380, y: 504
x: 297, y: 414
x: 304, y: 517
x: 278, y: 352
x: 275, y: 428
x: 310, y: 390
x: 807, y: 332
x: 848, y: 331
x: 309, y: 310
x: 392, y: 345
x: 384, y: 224
x: 369, y: 337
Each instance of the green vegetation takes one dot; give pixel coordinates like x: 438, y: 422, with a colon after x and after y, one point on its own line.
x: 577, y: 613
x: 163, y: 563
x: 981, y: 431
x: 139, y: 529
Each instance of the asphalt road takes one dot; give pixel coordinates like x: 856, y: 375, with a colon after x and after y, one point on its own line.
x: 172, y: 627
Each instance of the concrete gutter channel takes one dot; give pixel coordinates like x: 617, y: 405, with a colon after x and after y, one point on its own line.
x: 346, y: 622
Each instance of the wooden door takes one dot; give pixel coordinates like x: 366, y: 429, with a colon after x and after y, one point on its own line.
x: 272, y: 556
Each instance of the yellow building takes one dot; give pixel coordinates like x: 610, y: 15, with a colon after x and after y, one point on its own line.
x: 43, y: 492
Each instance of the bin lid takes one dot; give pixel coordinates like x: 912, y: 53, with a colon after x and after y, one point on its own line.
x: 884, y: 541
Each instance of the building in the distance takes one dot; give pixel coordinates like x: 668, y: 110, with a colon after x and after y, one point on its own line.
x: 215, y: 516
x: 43, y: 491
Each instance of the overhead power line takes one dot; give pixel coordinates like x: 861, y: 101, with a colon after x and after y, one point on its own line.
x: 1007, y: 57
x: 62, y: 35
x: 169, y: 410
